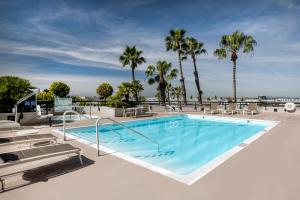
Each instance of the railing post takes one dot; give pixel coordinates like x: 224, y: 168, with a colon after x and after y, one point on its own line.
x: 90, y: 111
x: 16, y: 113
x: 64, y: 125
x: 97, y: 136
x: 64, y: 120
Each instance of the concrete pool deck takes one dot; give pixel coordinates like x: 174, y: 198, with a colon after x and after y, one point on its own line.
x: 266, y: 169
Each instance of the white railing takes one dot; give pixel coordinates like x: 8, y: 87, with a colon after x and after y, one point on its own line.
x: 24, y: 99
x: 97, y: 130
x: 124, y: 126
x: 64, y: 120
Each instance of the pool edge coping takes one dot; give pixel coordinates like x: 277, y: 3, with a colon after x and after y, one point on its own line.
x: 196, y: 174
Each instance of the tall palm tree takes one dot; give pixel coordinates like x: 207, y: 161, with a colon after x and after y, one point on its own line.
x: 230, y: 46
x: 132, y: 57
x: 192, y: 47
x: 174, y: 42
x: 160, y: 74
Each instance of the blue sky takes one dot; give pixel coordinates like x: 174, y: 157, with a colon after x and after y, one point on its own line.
x: 79, y: 42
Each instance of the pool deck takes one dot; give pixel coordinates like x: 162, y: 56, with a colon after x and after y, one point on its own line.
x: 269, y: 168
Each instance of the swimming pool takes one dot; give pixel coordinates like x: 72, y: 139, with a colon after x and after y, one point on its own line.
x: 186, y: 147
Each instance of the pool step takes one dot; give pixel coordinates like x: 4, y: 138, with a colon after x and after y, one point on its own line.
x: 158, y: 154
x: 119, y: 141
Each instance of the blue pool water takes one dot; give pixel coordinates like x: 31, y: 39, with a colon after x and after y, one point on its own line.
x: 185, y: 142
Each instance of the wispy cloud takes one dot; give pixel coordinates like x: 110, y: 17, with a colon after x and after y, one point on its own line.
x: 77, y: 35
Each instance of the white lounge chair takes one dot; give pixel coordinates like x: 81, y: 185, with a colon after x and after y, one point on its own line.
x: 39, y: 153
x: 128, y: 112
x: 231, y: 109
x: 172, y: 108
x: 214, y: 108
x: 252, y: 109
x: 27, y: 139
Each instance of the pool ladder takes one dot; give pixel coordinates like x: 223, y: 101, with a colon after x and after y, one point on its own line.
x: 97, y: 130
x: 124, y: 126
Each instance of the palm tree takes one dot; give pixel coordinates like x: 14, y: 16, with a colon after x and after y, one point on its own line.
x: 132, y: 57
x: 157, y: 95
x: 174, y: 42
x: 124, y: 90
x: 230, y: 45
x: 176, y: 92
x: 192, y: 47
x: 160, y: 74
x: 168, y: 90
x: 136, y: 88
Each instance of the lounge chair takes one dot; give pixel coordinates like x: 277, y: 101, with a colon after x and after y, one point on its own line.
x: 172, y: 108
x: 27, y: 139
x: 147, y: 110
x: 214, y: 108
x: 7, y: 124
x: 252, y: 108
x: 128, y: 112
x: 39, y: 153
x: 231, y: 109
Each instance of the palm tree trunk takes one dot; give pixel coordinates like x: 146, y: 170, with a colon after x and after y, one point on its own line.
x: 163, y: 95
x: 132, y: 74
x: 133, y: 79
x: 168, y: 97
x: 234, y: 79
x: 197, y: 80
x: 182, y: 79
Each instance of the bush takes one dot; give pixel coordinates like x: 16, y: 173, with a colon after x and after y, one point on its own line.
x: 45, y: 95
x: 116, y: 101
x: 59, y: 89
x: 13, y: 88
x: 104, y: 90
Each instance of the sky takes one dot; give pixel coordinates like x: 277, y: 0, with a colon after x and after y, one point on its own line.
x: 79, y: 43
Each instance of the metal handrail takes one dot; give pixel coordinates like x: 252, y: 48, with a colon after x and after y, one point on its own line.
x: 24, y: 99
x: 64, y: 120
x: 121, y: 124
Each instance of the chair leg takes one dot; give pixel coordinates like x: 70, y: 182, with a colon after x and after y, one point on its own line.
x: 80, y: 158
x: 2, y: 184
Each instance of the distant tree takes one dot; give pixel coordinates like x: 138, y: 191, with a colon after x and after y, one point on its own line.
x: 193, y: 48
x: 160, y: 73
x: 132, y: 57
x: 104, y: 90
x: 116, y: 101
x: 174, y: 42
x: 230, y: 46
x: 136, y: 88
x: 125, y: 90
x: 13, y: 88
x: 168, y: 91
x: 158, y: 96
x: 45, y: 95
x: 177, y: 93
x: 59, y: 89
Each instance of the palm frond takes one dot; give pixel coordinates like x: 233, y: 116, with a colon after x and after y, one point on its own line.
x: 220, y: 53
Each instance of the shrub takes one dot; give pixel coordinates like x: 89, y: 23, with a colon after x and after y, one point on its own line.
x: 116, y: 101
x: 13, y: 88
x: 104, y: 90
x: 45, y: 95
x: 59, y: 89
